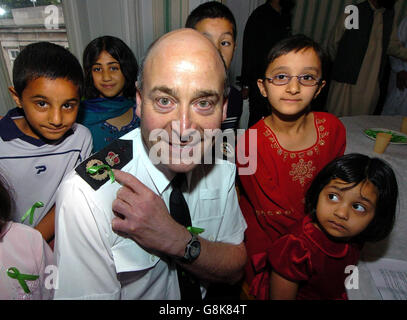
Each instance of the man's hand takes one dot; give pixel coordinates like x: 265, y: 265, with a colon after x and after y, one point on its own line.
x: 401, y: 80
x: 143, y: 216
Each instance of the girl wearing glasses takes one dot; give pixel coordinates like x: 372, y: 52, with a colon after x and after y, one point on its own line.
x: 293, y: 145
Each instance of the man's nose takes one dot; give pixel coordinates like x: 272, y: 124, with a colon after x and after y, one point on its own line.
x: 184, y: 120
x: 183, y: 124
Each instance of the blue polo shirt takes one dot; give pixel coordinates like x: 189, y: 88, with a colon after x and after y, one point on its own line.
x: 34, y: 168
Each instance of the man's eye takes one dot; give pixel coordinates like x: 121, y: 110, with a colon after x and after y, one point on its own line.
x: 164, y: 102
x: 204, y: 104
x: 225, y: 43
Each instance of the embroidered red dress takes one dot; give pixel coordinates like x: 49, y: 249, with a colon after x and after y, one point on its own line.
x: 272, y: 200
x: 318, y: 264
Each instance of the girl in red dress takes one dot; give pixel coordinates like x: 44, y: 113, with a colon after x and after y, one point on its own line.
x: 352, y: 200
x: 293, y: 145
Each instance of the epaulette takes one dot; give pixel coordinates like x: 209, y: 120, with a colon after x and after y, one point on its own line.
x: 116, y: 155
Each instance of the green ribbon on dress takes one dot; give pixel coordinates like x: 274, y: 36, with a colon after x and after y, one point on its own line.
x: 14, y: 273
x: 30, y: 212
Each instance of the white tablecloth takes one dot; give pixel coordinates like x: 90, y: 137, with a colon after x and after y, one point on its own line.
x: 395, y: 246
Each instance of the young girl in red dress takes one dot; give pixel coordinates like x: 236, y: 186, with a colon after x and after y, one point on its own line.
x: 352, y: 200
x: 293, y: 145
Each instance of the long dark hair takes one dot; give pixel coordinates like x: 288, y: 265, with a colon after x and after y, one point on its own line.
x: 119, y: 51
x: 356, y: 168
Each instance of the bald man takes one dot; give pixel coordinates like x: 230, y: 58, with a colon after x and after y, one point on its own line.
x: 118, y: 240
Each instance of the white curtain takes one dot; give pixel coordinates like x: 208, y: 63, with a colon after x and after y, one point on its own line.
x: 129, y: 20
x: 6, y: 102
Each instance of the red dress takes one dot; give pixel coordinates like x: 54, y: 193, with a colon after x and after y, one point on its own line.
x: 318, y: 264
x: 272, y: 198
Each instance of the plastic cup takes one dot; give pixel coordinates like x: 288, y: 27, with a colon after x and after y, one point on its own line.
x: 404, y: 125
x: 382, y: 141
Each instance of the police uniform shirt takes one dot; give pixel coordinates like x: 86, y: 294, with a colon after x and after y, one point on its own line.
x: 96, y: 263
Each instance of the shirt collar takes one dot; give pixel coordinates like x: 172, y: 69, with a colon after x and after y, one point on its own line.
x: 160, y: 175
x: 160, y: 178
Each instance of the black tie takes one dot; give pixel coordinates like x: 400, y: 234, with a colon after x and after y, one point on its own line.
x: 188, y: 284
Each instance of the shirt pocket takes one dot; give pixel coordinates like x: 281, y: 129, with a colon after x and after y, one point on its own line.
x: 129, y: 256
x: 209, y: 214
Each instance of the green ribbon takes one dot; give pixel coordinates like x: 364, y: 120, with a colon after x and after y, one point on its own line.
x: 95, y: 169
x: 195, y: 230
x: 30, y: 212
x: 14, y: 273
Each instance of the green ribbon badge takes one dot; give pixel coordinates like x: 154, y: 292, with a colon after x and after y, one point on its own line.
x: 95, y: 169
x: 30, y: 212
x: 195, y: 230
x: 14, y: 273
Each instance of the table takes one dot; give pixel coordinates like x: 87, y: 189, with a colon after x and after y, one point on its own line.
x: 394, y: 246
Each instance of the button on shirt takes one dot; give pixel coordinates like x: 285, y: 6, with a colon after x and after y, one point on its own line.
x: 96, y: 263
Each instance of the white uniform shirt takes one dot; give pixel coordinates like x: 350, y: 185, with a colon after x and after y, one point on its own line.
x: 33, y: 168
x: 96, y: 263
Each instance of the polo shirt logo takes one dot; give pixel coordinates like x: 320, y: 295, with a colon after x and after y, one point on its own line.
x: 40, y: 169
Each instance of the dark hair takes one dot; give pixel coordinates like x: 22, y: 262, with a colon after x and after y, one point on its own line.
x: 295, y: 43
x: 356, y: 168
x: 119, y: 51
x: 6, y: 202
x: 211, y: 10
x: 45, y: 59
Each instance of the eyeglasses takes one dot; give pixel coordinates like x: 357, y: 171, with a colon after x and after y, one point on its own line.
x: 306, y: 80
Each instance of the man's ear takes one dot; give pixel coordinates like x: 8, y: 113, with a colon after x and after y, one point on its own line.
x: 225, y: 109
x: 15, y: 96
x: 323, y: 83
x: 138, y: 100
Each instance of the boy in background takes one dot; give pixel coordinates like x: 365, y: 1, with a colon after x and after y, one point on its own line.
x: 215, y: 21
x: 39, y: 139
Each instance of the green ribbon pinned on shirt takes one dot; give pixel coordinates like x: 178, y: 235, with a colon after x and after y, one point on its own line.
x: 14, y: 273
x: 30, y: 212
x: 195, y: 230
x: 95, y: 169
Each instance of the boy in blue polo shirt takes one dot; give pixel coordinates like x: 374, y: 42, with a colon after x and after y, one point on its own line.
x: 39, y: 139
